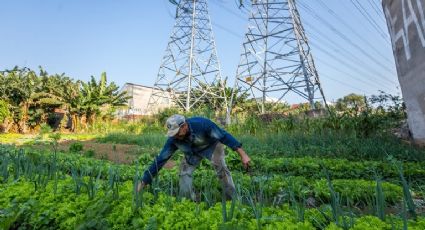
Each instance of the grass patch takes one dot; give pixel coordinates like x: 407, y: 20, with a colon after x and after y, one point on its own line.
x: 151, y: 140
x: 331, y: 145
x: 15, y: 138
x: 296, y: 144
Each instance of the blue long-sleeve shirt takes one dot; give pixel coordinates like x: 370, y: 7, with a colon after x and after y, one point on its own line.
x: 201, y: 142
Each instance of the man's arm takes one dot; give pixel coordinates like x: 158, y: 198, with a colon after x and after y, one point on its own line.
x: 160, y: 160
x: 244, y: 158
x: 227, y: 139
x: 223, y: 136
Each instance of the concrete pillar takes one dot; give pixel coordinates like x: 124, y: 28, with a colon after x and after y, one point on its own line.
x: 406, y: 24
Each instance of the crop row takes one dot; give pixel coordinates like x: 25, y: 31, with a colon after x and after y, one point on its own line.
x: 40, y: 169
x: 100, y: 179
x: 22, y: 207
x: 312, y: 167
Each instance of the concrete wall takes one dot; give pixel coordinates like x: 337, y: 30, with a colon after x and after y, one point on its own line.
x: 139, y: 98
x: 406, y: 24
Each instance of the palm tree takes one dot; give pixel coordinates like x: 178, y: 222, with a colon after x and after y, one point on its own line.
x: 17, y: 88
x: 96, y: 97
x: 33, y: 98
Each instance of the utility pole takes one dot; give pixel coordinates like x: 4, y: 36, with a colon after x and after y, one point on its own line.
x: 276, y: 60
x: 190, y: 73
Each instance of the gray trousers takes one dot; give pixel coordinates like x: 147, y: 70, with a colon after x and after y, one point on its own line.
x: 219, y: 164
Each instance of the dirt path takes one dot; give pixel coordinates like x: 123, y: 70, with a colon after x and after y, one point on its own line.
x: 118, y: 153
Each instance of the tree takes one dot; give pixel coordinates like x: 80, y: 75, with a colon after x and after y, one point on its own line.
x: 4, y: 114
x: 96, y: 98
x: 47, y: 98
x: 33, y: 99
x: 4, y: 111
x: 351, y: 103
x: 17, y: 87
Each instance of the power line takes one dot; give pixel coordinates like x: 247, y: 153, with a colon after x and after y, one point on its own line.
x: 344, y: 37
x: 359, y: 6
x: 351, y: 66
x: 336, y: 58
x: 377, y: 10
x: 325, y: 75
x: 341, y: 20
x: 369, y: 28
x: 213, y: 23
x: 219, y: 4
x: 227, y: 30
x: 353, y: 57
x: 345, y: 84
x: 378, y: 7
x: 354, y: 69
x: 370, y: 19
x: 345, y: 52
x: 348, y: 65
x: 167, y: 9
x: 330, y: 10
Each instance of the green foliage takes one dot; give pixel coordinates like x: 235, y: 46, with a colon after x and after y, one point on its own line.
x: 370, y: 222
x: 96, y: 204
x: 76, y: 147
x: 351, y: 103
x: 164, y: 114
x: 34, y: 97
x: 73, y: 191
x: 356, y: 190
x: 66, y: 210
x: 203, y: 111
x: 338, y: 168
x: 89, y: 153
x: 45, y: 130
x: 380, y: 200
x: 152, y: 141
x: 4, y: 111
x: 94, y: 96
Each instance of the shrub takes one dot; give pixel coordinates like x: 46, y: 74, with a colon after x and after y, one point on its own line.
x: 45, y: 129
x: 4, y: 111
x: 76, y: 147
x: 89, y: 153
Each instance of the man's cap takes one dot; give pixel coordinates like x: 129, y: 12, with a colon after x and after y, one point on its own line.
x: 173, y: 124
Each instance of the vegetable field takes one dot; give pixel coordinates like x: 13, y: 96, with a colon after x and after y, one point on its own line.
x: 306, y: 174
x: 300, y: 135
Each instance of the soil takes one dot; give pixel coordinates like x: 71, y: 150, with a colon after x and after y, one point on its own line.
x: 122, y: 154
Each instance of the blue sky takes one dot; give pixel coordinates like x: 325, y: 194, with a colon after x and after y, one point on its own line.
x: 127, y: 39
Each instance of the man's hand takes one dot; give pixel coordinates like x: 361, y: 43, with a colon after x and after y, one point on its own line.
x: 245, y: 161
x: 140, y: 186
x: 244, y: 158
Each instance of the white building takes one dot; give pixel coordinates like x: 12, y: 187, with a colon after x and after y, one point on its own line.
x: 269, y: 100
x: 139, y: 99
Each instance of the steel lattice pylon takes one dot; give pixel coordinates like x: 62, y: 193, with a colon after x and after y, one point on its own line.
x: 190, y: 71
x: 276, y: 59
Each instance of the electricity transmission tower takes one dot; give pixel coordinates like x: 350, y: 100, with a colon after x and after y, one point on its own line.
x: 189, y: 74
x: 276, y: 60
